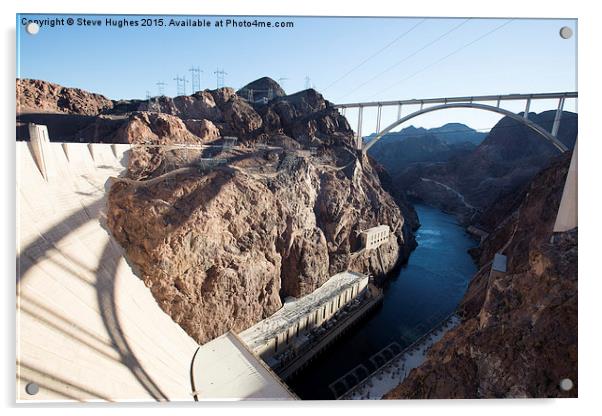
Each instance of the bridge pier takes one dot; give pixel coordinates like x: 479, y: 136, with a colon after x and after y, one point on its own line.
x: 558, y: 116
x: 566, y: 219
x: 527, y: 107
x: 359, y: 127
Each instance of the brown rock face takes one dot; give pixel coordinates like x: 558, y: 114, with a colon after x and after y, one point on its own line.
x: 242, y: 119
x: 222, y: 95
x: 41, y: 96
x: 303, y: 119
x: 204, y: 129
x: 200, y: 105
x: 221, y: 246
x: 153, y: 128
x: 289, y: 115
x: 222, y: 107
x: 261, y: 88
x: 518, y: 337
x: 220, y: 249
x: 209, y: 267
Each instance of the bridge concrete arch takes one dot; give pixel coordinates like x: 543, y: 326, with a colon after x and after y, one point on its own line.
x: 530, y: 124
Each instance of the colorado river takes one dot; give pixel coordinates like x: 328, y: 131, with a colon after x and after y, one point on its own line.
x: 426, y: 291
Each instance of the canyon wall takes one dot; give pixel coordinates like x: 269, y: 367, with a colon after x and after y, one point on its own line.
x: 518, y: 335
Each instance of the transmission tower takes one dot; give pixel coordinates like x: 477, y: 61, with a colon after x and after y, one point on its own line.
x: 281, y: 81
x: 220, y: 76
x: 180, y: 85
x: 161, y: 88
x: 195, y: 78
x: 307, y: 82
x: 148, y: 95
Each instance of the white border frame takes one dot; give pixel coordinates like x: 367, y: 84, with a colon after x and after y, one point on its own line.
x: 589, y: 72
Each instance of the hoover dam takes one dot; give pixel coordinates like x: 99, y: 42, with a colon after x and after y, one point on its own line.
x: 87, y: 328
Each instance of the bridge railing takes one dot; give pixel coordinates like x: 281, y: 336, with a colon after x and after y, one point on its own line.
x: 464, y: 99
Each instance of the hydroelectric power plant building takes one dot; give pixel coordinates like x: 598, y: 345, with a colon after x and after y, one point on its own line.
x: 288, y: 339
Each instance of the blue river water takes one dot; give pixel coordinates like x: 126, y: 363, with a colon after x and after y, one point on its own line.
x: 427, y: 289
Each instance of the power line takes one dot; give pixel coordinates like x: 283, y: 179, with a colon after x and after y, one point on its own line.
x: 195, y: 75
x: 220, y: 76
x: 453, y: 29
x: 376, y: 53
x: 180, y: 85
x: 448, y: 55
x: 161, y: 88
x: 307, y: 82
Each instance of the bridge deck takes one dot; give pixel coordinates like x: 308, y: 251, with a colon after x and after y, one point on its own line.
x: 475, y: 98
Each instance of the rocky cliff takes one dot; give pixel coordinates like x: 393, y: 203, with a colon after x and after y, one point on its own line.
x: 221, y: 235
x: 41, y: 96
x: 518, y: 335
x: 261, y: 89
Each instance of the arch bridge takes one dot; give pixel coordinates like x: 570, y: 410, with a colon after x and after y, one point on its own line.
x: 476, y: 102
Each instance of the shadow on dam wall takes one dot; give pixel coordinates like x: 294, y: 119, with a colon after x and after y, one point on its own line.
x: 63, y: 127
x: 105, y: 290
x: 87, y: 327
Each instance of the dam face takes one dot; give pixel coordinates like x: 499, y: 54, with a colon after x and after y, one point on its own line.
x: 87, y: 327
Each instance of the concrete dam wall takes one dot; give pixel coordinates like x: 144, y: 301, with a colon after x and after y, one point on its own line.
x: 87, y: 327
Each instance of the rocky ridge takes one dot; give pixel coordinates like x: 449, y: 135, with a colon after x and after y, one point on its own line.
x: 398, y: 150
x: 221, y: 235
x: 41, y: 96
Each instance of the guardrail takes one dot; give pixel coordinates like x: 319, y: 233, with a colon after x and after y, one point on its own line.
x: 410, y: 347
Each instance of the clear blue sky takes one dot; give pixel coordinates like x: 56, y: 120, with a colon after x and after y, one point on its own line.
x: 439, y: 57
